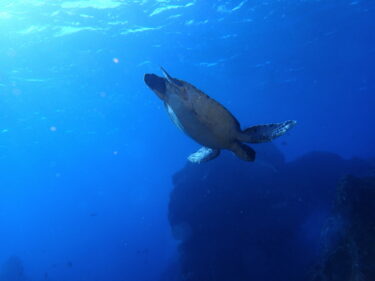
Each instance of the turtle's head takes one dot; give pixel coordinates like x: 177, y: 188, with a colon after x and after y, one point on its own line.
x: 156, y: 84
x: 163, y: 86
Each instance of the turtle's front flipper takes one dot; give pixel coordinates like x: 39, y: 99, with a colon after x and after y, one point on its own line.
x: 204, y: 154
x: 267, y: 132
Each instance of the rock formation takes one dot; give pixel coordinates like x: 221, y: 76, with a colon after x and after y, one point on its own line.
x: 257, y: 221
x: 349, y: 237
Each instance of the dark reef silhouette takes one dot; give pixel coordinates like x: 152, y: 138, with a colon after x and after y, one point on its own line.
x: 12, y: 270
x: 260, y: 221
x: 349, y: 238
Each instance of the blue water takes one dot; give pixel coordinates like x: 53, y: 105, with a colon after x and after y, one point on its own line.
x: 87, y: 151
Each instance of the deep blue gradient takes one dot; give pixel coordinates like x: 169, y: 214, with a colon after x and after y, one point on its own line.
x: 87, y: 151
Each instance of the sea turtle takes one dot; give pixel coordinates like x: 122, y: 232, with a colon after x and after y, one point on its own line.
x: 208, y: 122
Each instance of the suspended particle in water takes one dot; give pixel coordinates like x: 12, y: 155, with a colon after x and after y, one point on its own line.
x: 53, y: 129
x: 116, y: 60
x: 115, y: 152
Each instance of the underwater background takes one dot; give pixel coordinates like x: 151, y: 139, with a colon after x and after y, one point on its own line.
x: 94, y: 181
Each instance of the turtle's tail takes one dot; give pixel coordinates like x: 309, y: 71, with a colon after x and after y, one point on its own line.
x: 267, y: 132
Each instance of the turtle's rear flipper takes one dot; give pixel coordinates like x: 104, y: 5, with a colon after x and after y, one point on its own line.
x: 243, y: 151
x: 204, y: 154
x: 267, y: 132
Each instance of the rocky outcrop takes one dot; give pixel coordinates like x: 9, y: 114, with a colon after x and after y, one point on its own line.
x: 349, y: 237
x: 255, y: 221
x: 12, y: 270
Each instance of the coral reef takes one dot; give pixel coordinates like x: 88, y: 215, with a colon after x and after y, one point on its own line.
x: 260, y: 221
x: 349, y: 238
x: 12, y: 270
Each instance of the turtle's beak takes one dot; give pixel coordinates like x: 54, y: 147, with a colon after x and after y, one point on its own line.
x: 156, y: 84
